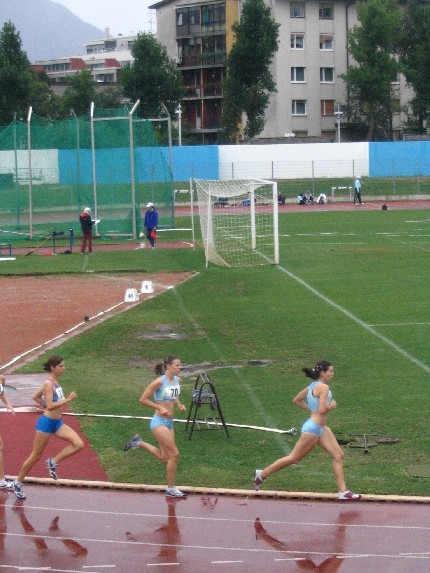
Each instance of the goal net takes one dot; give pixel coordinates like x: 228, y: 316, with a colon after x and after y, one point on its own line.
x: 239, y: 221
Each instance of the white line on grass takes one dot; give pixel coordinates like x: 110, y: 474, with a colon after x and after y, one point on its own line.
x: 358, y: 321
x: 415, y: 245
x: 255, y: 401
x: 402, y: 324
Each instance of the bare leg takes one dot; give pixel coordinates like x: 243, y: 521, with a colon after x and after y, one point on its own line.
x: 169, y: 451
x: 41, y: 440
x: 69, y: 435
x: 329, y: 443
x: 305, y: 444
x: 153, y: 450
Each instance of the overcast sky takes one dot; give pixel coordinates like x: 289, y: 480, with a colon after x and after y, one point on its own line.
x: 120, y: 16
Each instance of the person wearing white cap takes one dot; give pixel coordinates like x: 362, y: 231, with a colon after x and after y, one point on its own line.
x: 357, y: 190
x: 150, y: 223
x: 87, y: 230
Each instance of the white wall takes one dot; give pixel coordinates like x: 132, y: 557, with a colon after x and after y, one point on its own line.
x: 44, y: 165
x: 293, y: 161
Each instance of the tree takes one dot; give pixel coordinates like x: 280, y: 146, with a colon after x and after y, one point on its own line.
x: 414, y: 48
x: 370, y: 82
x: 80, y: 92
x: 153, y: 77
x: 249, y: 81
x: 20, y: 86
x: 15, y: 75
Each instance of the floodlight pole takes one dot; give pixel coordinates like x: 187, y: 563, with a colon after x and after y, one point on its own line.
x: 132, y: 171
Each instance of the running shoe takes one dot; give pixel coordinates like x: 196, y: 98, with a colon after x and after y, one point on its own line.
x: 133, y: 444
x: 6, y: 484
x: 175, y: 492
x: 18, y: 490
x: 349, y: 496
x: 258, y: 479
x: 52, y: 468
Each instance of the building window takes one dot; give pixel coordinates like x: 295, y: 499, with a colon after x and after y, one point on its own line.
x: 298, y: 107
x: 326, y: 42
x: 327, y: 107
x: 297, y: 41
x: 327, y: 75
x: 297, y: 9
x: 326, y: 11
x: 297, y: 74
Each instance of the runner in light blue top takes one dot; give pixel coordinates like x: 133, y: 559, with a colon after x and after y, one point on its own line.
x: 165, y: 391
x: 318, y: 401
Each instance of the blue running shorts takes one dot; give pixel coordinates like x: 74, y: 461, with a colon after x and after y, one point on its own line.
x: 48, y: 425
x: 159, y: 421
x: 312, y: 428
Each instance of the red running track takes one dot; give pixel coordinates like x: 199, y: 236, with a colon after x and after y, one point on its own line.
x: 97, y: 530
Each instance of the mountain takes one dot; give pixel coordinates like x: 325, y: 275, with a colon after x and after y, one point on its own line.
x: 47, y: 29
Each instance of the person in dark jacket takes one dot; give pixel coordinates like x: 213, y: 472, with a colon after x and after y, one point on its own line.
x: 87, y: 230
x: 150, y: 223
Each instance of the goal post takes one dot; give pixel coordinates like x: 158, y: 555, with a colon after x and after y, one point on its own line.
x: 239, y: 221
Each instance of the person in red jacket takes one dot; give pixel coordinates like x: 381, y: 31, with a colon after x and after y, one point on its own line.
x: 87, y: 230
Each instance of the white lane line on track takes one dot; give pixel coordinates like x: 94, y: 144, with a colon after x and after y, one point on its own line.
x: 249, y: 550
x: 358, y: 321
x: 226, y: 562
x: 162, y: 564
x: 317, y: 524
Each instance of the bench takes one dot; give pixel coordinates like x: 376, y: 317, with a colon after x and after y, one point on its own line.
x: 6, y: 246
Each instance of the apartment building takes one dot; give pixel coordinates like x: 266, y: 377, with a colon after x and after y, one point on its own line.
x: 312, y: 55
x: 104, y: 58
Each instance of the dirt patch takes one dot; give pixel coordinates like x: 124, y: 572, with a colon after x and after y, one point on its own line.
x: 39, y: 312
x: 188, y: 370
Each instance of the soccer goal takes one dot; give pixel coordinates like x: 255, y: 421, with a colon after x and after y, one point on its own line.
x: 239, y: 221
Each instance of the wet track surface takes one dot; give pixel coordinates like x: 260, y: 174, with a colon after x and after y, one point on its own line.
x: 68, y: 529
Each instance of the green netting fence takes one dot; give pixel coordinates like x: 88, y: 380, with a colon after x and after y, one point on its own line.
x: 109, y: 160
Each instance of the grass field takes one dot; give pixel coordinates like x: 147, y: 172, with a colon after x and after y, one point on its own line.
x: 351, y: 287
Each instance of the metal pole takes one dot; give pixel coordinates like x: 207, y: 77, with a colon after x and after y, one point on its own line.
x: 179, y: 112
x: 132, y: 172
x: 30, y: 176
x: 275, y: 223
x: 93, y: 156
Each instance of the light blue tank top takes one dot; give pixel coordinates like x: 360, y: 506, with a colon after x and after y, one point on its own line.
x: 313, y: 401
x: 168, y: 392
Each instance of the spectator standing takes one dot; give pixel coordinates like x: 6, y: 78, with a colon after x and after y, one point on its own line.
x: 357, y: 190
x: 87, y: 230
x: 150, y: 223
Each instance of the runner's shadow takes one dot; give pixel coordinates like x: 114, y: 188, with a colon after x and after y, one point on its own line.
x: 330, y: 565
x: 54, y: 530
x: 167, y: 536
